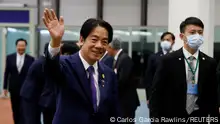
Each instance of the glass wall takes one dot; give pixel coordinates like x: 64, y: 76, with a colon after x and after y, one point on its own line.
x: 138, y: 42
x: 12, y: 35
x: 1, y: 60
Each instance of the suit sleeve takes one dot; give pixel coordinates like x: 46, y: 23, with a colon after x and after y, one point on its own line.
x: 52, y: 66
x: 33, y: 83
x: 149, y: 75
x: 125, y: 72
x: 218, y: 82
x: 157, y: 98
x: 7, y: 73
x: 214, y: 107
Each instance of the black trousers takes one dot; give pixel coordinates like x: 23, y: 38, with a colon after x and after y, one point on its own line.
x: 15, y: 104
x: 128, y: 115
x: 48, y: 114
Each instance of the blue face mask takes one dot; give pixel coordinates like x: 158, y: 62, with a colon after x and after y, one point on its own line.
x: 165, y: 45
x: 195, y: 41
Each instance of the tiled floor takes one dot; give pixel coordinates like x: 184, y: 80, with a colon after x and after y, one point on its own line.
x: 5, y: 112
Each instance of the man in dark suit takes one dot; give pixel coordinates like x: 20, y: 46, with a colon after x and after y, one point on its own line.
x: 107, y: 60
x: 185, y: 81
x: 38, y: 92
x: 17, y: 65
x: 87, y: 89
x: 123, y: 67
x: 167, y: 41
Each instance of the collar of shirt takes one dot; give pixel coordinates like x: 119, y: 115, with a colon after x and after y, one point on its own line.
x: 188, y: 54
x: 164, y: 52
x: 22, y: 56
x: 116, y: 56
x: 104, y: 55
x: 86, y: 64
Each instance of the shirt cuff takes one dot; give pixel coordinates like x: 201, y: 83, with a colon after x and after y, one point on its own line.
x: 53, y: 51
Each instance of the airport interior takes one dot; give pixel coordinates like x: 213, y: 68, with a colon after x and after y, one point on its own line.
x: 139, y: 25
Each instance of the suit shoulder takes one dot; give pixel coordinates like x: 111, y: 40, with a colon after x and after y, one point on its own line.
x: 29, y: 56
x: 10, y: 55
x: 212, y: 60
x: 153, y: 56
x: 65, y: 60
x: 38, y: 62
x: 171, y: 56
x: 36, y: 66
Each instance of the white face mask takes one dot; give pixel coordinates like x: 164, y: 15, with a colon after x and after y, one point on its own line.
x: 195, y: 41
x: 165, y: 45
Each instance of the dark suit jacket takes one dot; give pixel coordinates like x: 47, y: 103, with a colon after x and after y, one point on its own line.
x: 150, y: 71
x: 12, y: 77
x: 218, y: 80
x: 108, y: 60
x: 38, y: 87
x: 126, y: 86
x: 37, y: 92
x: 74, y: 101
x: 170, y: 87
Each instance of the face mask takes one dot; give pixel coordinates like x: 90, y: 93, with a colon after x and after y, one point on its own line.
x: 195, y: 41
x: 165, y: 45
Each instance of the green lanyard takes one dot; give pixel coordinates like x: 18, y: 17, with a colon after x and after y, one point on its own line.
x: 193, y: 71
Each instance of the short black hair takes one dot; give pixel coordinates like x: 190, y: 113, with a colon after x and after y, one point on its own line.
x: 167, y: 33
x: 92, y: 23
x: 191, y: 21
x: 69, y: 49
x: 20, y: 39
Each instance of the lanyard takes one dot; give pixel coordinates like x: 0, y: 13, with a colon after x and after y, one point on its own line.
x: 193, y: 71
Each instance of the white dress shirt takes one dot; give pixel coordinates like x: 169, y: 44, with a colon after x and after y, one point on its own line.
x: 187, y: 55
x: 164, y: 52
x: 116, y: 56
x: 106, y: 52
x: 55, y: 51
x: 20, y: 61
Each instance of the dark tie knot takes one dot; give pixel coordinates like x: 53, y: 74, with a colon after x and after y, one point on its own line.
x: 91, y: 69
x: 191, y: 58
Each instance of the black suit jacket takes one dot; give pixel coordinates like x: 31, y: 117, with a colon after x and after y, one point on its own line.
x: 126, y: 86
x: 12, y: 77
x: 168, y: 98
x: 108, y: 60
x: 150, y: 71
x: 37, y: 91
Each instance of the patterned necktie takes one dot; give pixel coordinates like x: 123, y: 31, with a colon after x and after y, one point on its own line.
x: 191, y: 99
x: 93, y: 88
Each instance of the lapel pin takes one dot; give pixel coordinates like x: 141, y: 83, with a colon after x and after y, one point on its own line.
x: 203, y: 58
x: 103, y: 76
x: 179, y: 58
